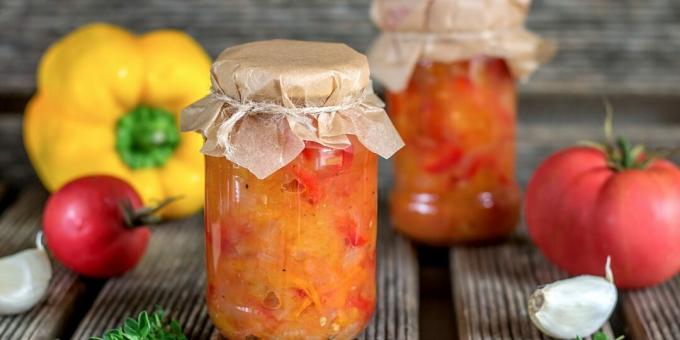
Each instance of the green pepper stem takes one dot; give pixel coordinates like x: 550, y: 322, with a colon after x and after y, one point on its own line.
x: 146, y: 137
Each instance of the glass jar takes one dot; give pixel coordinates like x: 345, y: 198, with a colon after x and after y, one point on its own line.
x: 292, y: 256
x: 455, y: 179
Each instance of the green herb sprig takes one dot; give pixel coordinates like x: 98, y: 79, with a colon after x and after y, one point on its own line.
x: 147, y: 326
x: 600, y: 336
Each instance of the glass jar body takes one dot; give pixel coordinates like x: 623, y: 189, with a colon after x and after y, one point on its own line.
x: 292, y: 256
x: 455, y: 179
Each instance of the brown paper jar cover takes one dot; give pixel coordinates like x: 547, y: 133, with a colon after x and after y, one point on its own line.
x: 269, y: 97
x: 452, y: 30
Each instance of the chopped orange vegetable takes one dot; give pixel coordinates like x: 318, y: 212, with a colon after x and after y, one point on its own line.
x: 292, y: 256
x: 455, y: 177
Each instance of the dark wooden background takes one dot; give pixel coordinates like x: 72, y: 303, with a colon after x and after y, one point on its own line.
x: 627, y: 50
x: 610, y: 46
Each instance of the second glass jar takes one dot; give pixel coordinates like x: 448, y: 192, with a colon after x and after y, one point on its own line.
x: 455, y: 179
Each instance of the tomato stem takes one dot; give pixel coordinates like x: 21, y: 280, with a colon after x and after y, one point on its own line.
x: 624, y: 146
x: 621, y: 155
x: 145, y: 215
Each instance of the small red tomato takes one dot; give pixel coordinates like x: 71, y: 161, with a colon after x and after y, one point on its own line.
x: 86, y: 229
x: 583, y: 205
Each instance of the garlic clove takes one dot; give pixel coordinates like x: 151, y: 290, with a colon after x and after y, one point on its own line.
x: 575, y: 307
x: 24, y: 279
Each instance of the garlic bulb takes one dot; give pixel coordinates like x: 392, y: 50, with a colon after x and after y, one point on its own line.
x: 574, y: 307
x: 24, y: 278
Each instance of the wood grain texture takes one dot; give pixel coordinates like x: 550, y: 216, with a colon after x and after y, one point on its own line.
x: 535, y: 142
x: 18, y: 227
x: 396, y: 313
x: 486, y: 306
x: 624, y: 46
x: 14, y: 164
x: 172, y: 275
x: 491, y: 286
x: 653, y: 313
x: 614, y: 46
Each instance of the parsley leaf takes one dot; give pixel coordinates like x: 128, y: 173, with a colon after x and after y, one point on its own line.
x: 600, y: 336
x: 147, y: 326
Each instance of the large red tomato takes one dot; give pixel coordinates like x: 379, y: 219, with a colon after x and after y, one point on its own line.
x: 580, y: 209
x: 87, y: 229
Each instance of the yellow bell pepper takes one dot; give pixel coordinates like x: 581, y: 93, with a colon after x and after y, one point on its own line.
x: 108, y: 102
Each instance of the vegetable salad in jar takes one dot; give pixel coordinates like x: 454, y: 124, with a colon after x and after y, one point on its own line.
x: 450, y: 84
x: 456, y: 179
x: 309, y: 230
x: 291, y: 129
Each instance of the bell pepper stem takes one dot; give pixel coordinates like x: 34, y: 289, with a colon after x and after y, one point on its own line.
x: 146, y: 137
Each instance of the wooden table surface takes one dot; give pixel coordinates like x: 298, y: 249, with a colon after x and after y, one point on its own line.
x: 487, y: 286
x: 171, y: 275
x: 627, y: 49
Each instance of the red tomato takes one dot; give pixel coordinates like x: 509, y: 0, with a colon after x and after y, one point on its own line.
x: 579, y: 211
x: 85, y: 227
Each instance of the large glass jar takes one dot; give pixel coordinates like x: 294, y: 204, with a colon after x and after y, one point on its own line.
x: 455, y: 179
x: 292, y: 256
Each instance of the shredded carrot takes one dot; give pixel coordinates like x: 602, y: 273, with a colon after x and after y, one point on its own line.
x: 306, y: 303
x: 309, y: 289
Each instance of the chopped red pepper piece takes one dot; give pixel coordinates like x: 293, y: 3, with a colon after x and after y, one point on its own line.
x: 356, y: 300
x: 477, y: 164
x: 351, y: 230
x: 311, y: 183
x: 449, y: 157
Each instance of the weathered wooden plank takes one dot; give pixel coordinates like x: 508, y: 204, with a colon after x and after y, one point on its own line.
x: 396, y: 315
x: 536, y: 141
x: 14, y: 164
x: 171, y: 275
x: 653, y: 313
x: 18, y: 227
x: 491, y: 286
x: 622, y: 46
x: 610, y: 45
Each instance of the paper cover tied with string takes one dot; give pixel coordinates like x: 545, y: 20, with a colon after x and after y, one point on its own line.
x: 452, y: 30
x: 269, y: 97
